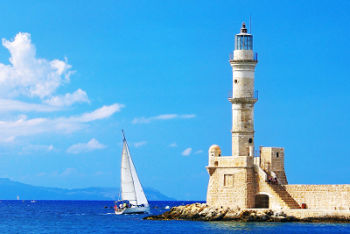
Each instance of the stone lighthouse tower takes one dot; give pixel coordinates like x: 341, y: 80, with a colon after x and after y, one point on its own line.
x: 243, y: 96
x: 232, y: 179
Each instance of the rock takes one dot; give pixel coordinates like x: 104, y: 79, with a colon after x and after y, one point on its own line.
x: 203, y: 212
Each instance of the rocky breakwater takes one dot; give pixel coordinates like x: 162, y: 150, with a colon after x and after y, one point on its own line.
x: 203, y: 212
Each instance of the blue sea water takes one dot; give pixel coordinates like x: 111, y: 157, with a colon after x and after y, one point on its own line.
x: 98, y: 217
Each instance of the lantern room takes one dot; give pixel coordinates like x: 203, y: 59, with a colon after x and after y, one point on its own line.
x: 244, y: 40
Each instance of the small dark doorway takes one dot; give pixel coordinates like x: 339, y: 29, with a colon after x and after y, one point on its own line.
x: 261, y: 201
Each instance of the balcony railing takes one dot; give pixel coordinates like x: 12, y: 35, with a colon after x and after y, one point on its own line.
x: 255, y: 58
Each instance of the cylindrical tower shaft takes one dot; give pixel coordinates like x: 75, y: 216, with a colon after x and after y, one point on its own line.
x: 243, y: 94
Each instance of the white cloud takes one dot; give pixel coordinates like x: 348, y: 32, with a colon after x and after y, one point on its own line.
x: 9, y: 139
x: 50, y: 148
x: 8, y: 105
x: 27, y: 75
x: 187, y: 152
x: 68, y: 172
x: 99, y: 173
x: 40, y: 174
x: 144, y: 120
x: 139, y: 144
x: 26, y: 127
x: 173, y: 144
x: 79, y: 96
x: 27, y: 149
x: 198, y: 152
x: 101, y: 113
x: 92, y: 145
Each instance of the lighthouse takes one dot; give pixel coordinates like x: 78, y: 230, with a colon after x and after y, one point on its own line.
x: 243, y: 97
x: 232, y: 180
x: 244, y: 180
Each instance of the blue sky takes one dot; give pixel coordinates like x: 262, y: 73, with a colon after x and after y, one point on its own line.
x: 80, y: 71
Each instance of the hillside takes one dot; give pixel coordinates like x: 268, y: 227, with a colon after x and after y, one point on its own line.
x: 9, y: 190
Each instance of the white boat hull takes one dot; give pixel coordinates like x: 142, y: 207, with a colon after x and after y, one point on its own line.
x: 132, y: 210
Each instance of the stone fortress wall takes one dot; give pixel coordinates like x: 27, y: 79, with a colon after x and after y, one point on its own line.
x: 232, y: 184
x: 321, y: 197
x: 317, y: 197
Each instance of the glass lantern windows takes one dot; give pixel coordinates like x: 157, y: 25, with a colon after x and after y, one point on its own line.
x: 244, y: 42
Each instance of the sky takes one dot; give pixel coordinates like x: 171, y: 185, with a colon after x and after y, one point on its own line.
x: 73, y: 74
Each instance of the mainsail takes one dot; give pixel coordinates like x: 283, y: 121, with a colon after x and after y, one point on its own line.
x: 131, y: 188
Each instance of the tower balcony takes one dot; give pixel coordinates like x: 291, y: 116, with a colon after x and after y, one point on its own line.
x: 250, y: 98
x: 254, y: 59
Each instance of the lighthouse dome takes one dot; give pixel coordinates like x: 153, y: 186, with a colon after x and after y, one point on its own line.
x: 215, y: 151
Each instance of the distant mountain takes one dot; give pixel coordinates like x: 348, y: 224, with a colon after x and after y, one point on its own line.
x: 9, y: 190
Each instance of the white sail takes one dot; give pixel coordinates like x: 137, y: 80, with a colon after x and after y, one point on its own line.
x: 127, y: 184
x: 140, y: 195
x: 130, y: 183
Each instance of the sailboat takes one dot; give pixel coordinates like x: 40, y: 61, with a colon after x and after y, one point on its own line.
x: 133, y: 199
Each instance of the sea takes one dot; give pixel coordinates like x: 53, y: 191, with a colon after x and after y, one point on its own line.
x: 99, y: 217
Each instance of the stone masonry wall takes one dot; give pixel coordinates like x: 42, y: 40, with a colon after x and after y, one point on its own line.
x: 321, y: 197
x: 231, y: 187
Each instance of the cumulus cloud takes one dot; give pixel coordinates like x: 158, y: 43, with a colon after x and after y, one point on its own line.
x: 144, y: 120
x: 92, y: 145
x: 26, y: 127
x: 186, y: 152
x: 33, y: 77
x: 139, y: 144
x: 79, y: 96
x: 28, y: 75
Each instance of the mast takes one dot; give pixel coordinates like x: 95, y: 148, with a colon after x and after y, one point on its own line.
x: 124, y: 139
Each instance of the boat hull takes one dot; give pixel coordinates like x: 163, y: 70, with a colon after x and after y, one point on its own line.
x: 132, y: 210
